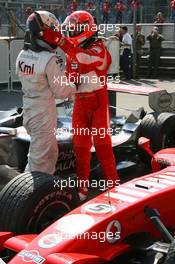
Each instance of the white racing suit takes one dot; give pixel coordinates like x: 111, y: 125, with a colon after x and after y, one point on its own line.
x: 40, y: 74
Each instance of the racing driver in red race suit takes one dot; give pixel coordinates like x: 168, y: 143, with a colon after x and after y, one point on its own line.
x: 87, y: 58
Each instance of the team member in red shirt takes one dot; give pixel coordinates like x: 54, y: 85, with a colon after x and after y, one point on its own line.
x: 138, y: 5
x: 105, y: 10
x: 119, y: 7
x: 135, y: 4
x: 90, y: 7
x: 173, y: 10
x: 73, y: 6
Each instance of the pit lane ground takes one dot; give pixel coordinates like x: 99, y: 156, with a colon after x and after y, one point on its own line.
x: 9, y: 100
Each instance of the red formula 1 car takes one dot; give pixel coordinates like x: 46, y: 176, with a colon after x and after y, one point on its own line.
x: 132, y: 223
x: 46, y: 202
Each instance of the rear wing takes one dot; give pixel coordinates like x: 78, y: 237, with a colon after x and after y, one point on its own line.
x: 159, y: 100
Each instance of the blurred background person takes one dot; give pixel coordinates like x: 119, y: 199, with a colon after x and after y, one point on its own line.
x: 140, y: 42
x: 73, y: 6
x: 119, y: 8
x: 126, y: 50
x: 173, y: 11
x: 91, y: 8
x: 28, y: 11
x: 118, y: 33
x: 138, y: 5
x: 159, y: 20
x: 105, y: 10
x: 12, y: 23
x: 155, y: 40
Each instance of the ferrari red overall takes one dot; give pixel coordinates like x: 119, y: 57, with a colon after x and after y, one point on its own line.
x: 90, y: 115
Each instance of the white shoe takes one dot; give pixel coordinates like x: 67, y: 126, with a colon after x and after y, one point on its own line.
x: 82, y: 196
x: 83, y: 193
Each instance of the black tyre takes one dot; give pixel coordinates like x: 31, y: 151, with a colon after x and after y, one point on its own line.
x: 31, y: 202
x: 160, y: 129
x: 170, y: 258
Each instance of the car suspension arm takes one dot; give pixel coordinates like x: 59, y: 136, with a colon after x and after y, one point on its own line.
x: 154, y: 215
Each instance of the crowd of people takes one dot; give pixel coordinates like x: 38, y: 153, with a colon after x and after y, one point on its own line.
x: 118, y: 11
x: 113, y: 11
x: 126, y: 46
x: 119, y: 7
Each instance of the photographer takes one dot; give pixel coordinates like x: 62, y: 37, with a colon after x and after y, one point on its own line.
x: 140, y: 42
x: 155, y: 40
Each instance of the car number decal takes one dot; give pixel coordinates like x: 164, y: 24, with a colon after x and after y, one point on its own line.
x: 99, y: 208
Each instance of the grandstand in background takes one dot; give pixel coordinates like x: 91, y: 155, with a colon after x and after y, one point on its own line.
x: 13, y: 12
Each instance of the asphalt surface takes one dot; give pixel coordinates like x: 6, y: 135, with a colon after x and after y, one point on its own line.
x: 9, y: 100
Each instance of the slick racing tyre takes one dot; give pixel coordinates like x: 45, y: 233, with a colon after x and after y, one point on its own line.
x: 32, y: 201
x: 170, y: 258
x: 160, y: 129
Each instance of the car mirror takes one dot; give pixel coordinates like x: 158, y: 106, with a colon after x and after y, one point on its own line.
x: 144, y: 143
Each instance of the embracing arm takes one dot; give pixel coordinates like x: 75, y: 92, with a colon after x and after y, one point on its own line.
x: 91, y: 57
x: 57, y: 80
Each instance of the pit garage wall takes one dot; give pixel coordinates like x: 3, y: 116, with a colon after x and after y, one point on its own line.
x: 4, y: 65
x: 10, y: 48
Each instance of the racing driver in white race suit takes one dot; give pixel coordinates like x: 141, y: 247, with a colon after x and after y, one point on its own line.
x: 38, y: 66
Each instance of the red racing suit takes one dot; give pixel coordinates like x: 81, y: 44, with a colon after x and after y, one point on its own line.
x: 91, y: 113
x: 172, y: 5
